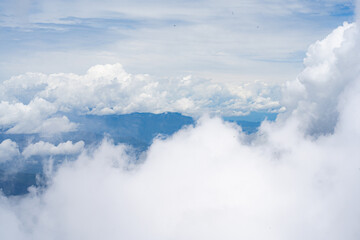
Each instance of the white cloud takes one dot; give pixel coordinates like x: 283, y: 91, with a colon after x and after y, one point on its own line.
x: 108, y: 89
x: 331, y: 66
x: 45, y: 149
x: 52, y: 126
x: 8, y: 150
x: 203, y: 183
x: 34, y: 117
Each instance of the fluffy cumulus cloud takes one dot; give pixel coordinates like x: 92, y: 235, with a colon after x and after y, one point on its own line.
x: 45, y: 149
x: 331, y: 66
x: 36, y: 102
x: 34, y: 117
x: 8, y: 150
x: 211, y: 181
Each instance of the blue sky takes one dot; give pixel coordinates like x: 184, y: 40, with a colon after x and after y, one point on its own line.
x: 224, y: 41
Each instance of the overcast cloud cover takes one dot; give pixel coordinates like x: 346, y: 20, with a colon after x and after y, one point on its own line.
x: 298, y: 178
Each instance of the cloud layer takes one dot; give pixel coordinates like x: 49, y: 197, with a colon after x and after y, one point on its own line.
x: 35, y: 102
x: 8, y: 150
x: 212, y: 181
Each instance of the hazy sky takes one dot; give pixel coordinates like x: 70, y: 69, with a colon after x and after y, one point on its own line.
x: 227, y: 41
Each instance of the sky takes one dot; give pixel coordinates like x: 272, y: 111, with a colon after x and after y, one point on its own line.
x: 297, y: 177
x: 223, y: 41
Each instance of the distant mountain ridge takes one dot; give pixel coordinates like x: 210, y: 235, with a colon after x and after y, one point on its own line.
x: 136, y: 129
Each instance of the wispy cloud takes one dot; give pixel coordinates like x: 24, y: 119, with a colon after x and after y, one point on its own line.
x: 228, y: 41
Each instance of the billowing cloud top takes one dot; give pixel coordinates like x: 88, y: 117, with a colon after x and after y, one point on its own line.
x: 331, y: 68
x: 36, y: 102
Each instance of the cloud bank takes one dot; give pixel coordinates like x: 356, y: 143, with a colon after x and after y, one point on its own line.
x: 298, y: 178
x: 35, y: 102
